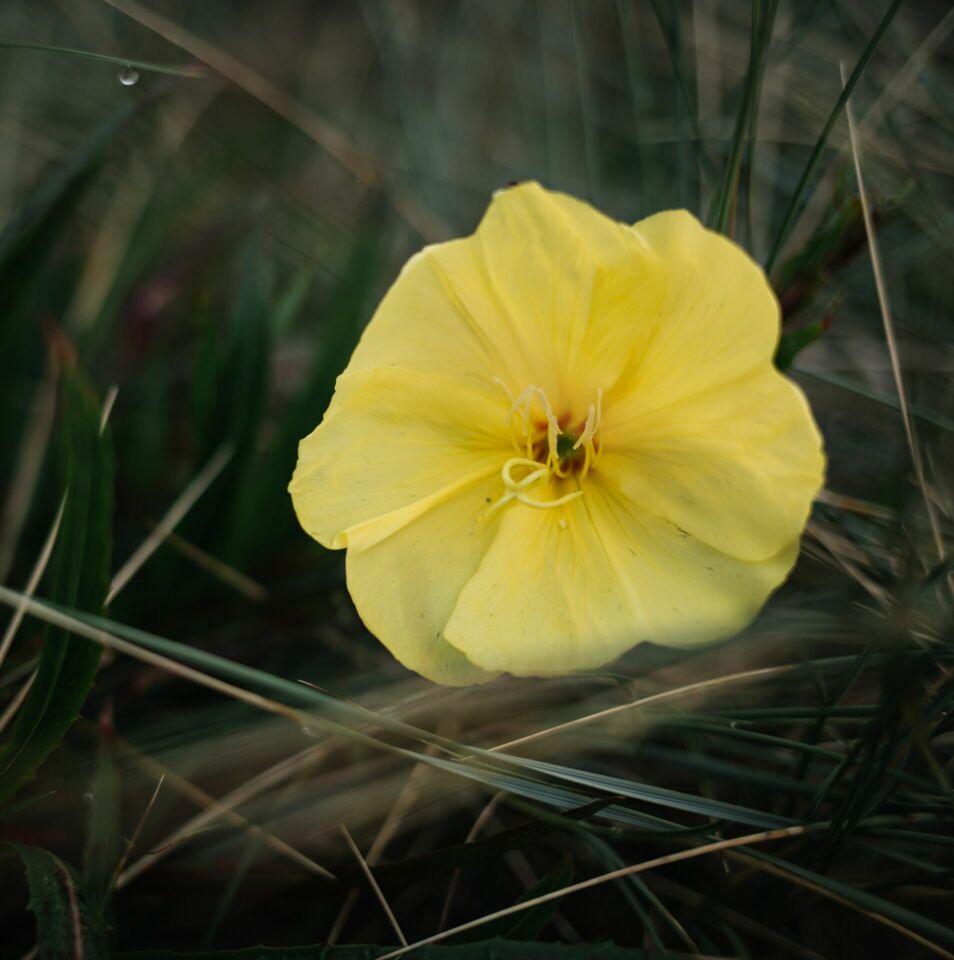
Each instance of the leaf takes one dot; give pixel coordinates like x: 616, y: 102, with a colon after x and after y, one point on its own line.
x: 66, y: 928
x: 262, y: 515
x: 762, y: 23
x: 28, y: 237
x: 27, y: 243
x: 795, y: 203
x: 241, y: 389
x: 79, y: 576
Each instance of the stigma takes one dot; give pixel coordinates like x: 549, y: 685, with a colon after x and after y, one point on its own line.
x: 548, y: 446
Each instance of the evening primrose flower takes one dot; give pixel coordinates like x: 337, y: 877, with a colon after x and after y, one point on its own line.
x: 560, y: 437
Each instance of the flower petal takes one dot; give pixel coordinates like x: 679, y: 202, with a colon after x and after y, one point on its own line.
x: 736, y: 466
x: 719, y: 318
x: 406, y: 585
x: 552, y: 600
x: 547, y: 292
x: 392, y: 445
x: 573, y: 283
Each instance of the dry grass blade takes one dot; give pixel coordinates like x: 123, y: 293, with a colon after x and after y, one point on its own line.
x: 135, y: 834
x: 821, y: 891
x: 34, y: 581
x: 335, y: 143
x: 224, y: 809
x: 886, y: 317
x: 818, y: 532
x: 183, y: 504
x: 900, y: 85
x: 752, y: 838
x: 482, y: 819
x: 646, y: 701
x: 389, y: 828
x: 228, y: 575
x: 108, y: 402
x: 14, y: 705
x: 374, y: 884
x: 66, y: 622
x: 36, y: 437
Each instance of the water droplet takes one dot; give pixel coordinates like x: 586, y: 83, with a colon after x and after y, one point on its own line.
x: 311, y: 731
x: 87, y: 798
x: 128, y: 76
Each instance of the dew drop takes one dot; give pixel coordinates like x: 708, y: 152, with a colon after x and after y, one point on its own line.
x: 311, y: 731
x: 87, y: 798
x: 128, y: 76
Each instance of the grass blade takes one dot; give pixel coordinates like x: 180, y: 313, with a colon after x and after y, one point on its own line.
x: 794, y: 203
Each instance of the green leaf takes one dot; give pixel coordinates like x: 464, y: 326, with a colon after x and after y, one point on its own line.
x: 794, y: 205
x: 262, y: 514
x: 79, y: 577
x: 66, y: 928
x: 28, y: 242
x: 762, y: 22
x: 27, y: 239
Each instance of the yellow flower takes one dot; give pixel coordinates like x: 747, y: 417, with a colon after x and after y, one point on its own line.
x: 558, y: 438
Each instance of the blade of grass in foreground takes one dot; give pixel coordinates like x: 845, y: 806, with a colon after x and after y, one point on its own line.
x: 795, y: 203
x: 80, y: 577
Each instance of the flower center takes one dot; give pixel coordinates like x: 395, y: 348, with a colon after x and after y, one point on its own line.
x: 551, y: 446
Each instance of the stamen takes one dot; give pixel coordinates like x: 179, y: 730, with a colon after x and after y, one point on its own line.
x: 587, y: 438
x: 555, y: 463
x: 517, y: 489
x: 525, y: 401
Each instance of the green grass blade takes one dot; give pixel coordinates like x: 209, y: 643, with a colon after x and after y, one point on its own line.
x: 79, y: 570
x: 147, y: 66
x: 763, y: 20
x: 930, y: 929
x: 795, y: 202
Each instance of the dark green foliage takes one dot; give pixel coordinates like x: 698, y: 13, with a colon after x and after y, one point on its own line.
x: 67, y: 927
x: 78, y: 578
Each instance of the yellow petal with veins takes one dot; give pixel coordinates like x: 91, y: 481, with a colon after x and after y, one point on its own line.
x: 554, y: 599
x: 560, y: 437
x: 736, y: 466
x: 718, y: 321
x: 405, y: 586
x: 547, y: 291
x: 393, y: 444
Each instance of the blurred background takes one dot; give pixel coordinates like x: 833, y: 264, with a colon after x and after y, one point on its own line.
x: 202, y: 205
